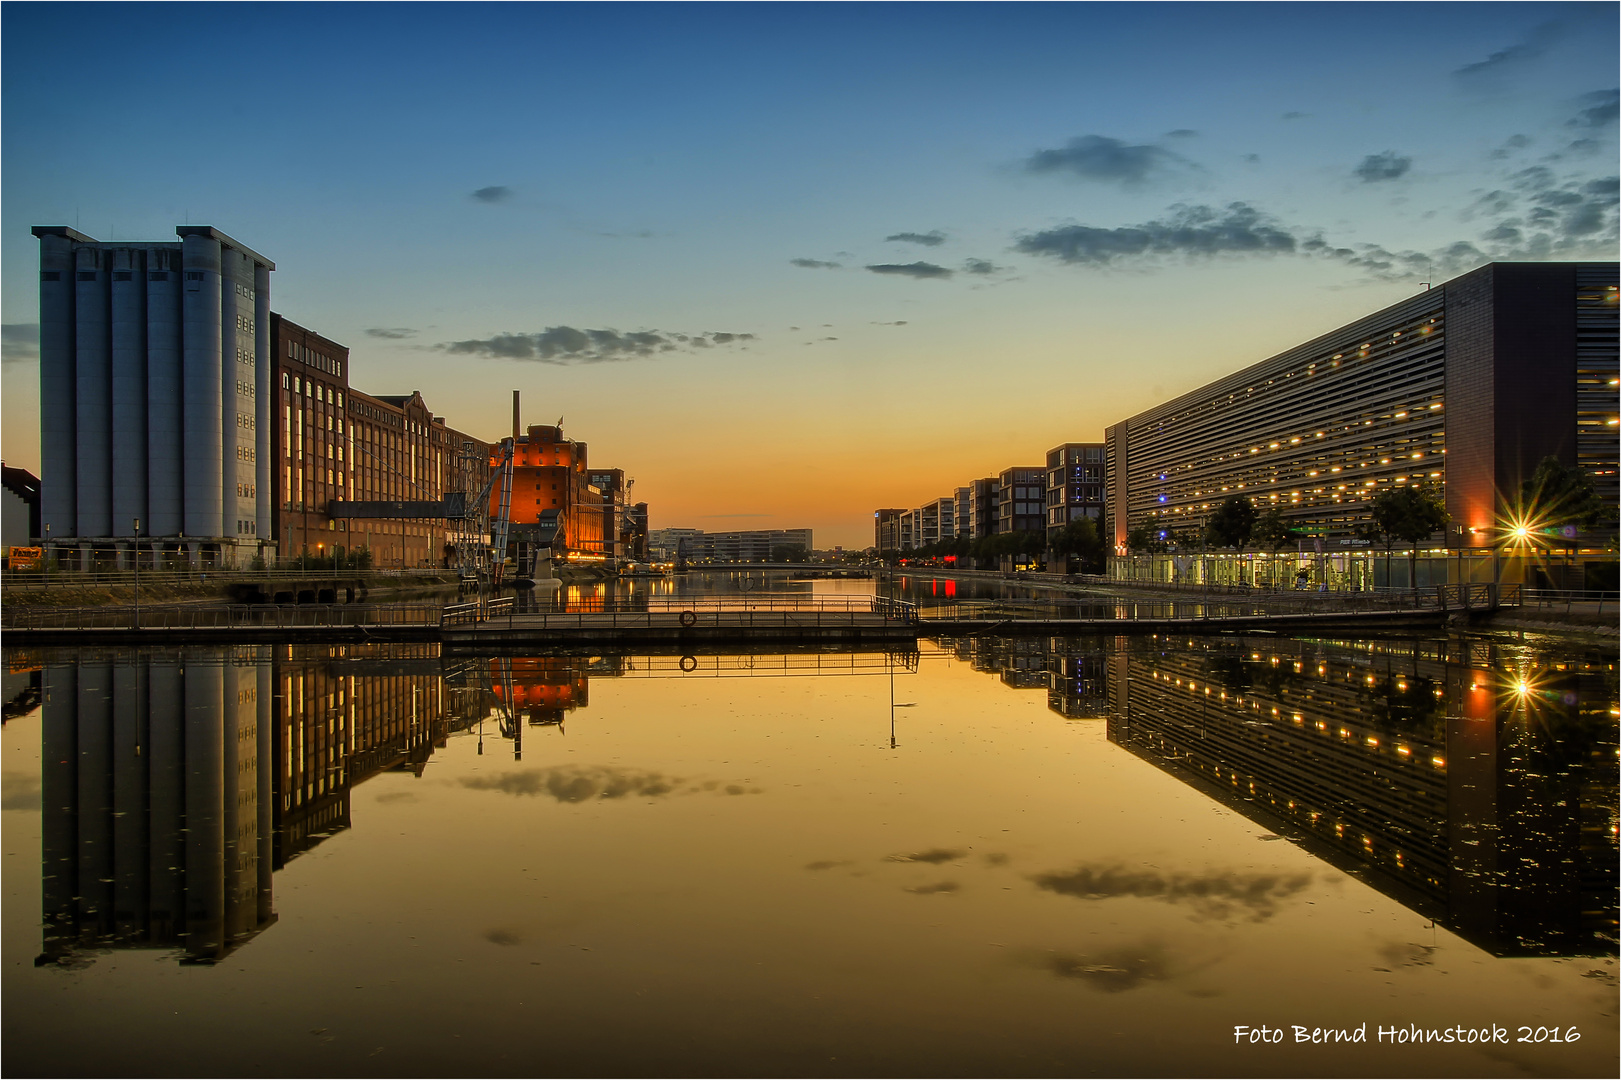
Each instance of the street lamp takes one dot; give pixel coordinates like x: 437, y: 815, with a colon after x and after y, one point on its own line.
x: 137, y: 573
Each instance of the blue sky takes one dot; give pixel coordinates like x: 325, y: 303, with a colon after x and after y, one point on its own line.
x: 836, y: 257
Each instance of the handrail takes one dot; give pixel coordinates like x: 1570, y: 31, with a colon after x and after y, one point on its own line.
x: 218, y: 616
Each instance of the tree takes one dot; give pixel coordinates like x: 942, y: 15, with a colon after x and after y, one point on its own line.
x: 1272, y: 532
x: 1560, y: 501
x: 1144, y: 540
x: 1233, y: 523
x: 1082, y: 540
x: 1408, y: 512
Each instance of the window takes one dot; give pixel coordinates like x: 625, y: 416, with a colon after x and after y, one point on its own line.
x: 158, y: 275
x: 123, y: 275
x: 50, y: 275
x: 194, y: 275
x: 87, y: 275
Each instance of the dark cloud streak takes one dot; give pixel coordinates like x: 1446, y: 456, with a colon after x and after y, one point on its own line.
x: 566, y: 345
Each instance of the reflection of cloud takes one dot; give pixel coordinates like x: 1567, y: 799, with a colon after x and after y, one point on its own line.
x: 19, y: 791
x: 1112, y: 972
x: 826, y: 864
x: 937, y: 887
x: 574, y: 783
x: 996, y: 858
x: 934, y: 856
x: 397, y: 796
x: 503, y: 937
x: 1400, y: 954
x: 1211, y: 896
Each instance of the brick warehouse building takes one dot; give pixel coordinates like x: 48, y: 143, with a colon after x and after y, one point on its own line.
x: 349, y: 465
x: 1464, y: 388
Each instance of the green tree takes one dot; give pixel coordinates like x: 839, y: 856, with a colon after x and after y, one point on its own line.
x: 1081, y: 540
x: 1144, y: 540
x: 1408, y: 512
x: 1233, y: 523
x: 1560, y: 501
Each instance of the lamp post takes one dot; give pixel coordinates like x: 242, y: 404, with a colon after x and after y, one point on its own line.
x: 137, y: 573
x: 47, y: 553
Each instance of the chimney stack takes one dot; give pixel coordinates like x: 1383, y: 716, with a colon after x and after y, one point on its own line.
x: 515, y: 418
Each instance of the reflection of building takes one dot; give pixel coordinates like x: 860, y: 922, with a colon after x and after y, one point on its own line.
x: 156, y: 808
x: 1077, y: 673
x: 344, y: 714
x: 540, y: 690
x: 1490, y: 812
x: 1462, y: 388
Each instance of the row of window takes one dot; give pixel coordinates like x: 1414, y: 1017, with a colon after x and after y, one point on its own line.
x: 247, y: 491
x: 244, y: 323
x: 247, y: 528
x: 246, y: 420
x: 305, y: 355
x: 246, y: 389
x: 246, y: 453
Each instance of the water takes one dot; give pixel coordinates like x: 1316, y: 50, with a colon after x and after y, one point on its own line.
x: 998, y: 857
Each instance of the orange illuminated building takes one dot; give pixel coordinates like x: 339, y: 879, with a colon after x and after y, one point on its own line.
x: 549, y: 473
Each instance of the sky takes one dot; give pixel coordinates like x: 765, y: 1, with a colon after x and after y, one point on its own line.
x: 786, y: 264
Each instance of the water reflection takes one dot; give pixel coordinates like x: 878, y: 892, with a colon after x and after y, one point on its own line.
x: 1470, y: 781
x: 1473, y: 783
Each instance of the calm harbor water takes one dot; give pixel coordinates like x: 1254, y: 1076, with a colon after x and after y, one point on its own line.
x: 1088, y: 856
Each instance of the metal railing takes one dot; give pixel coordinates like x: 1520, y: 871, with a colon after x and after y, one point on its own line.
x: 1237, y: 603
x: 775, y: 609
x: 219, y: 616
x: 1590, y: 600
x: 72, y: 578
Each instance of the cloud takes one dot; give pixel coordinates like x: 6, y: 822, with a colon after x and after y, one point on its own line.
x: 915, y: 269
x: 897, y: 322
x: 1210, y: 896
x: 1098, y: 157
x: 814, y: 264
x: 1295, y: 116
x: 19, y: 343
x: 1600, y: 112
x: 1511, y: 146
x: 1181, y: 133
x: 1510, y: 59
x: 564, y: 345
x: 1187, y: 231
x: 393, y: 333
x: 1386, y: 166
x: 493, y: 194
x: 980, y: 266
x: 933, y: 238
